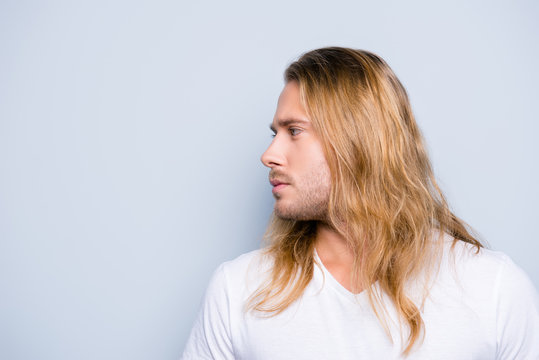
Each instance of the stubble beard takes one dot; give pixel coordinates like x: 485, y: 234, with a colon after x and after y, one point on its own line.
x: 308, y: 198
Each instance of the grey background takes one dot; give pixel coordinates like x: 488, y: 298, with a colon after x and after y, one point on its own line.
x: 130, y: 137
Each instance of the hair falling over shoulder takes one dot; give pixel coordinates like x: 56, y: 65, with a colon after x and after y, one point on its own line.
x: 384, y: 199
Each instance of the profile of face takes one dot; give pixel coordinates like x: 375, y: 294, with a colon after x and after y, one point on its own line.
x: 299, y: 171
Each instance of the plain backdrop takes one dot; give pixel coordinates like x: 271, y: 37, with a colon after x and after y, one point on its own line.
x: 131, y: 132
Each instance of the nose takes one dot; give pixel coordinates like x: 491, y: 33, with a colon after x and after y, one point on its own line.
x: 272, y: 156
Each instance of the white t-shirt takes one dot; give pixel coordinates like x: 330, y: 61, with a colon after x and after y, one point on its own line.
x: 480, y: 307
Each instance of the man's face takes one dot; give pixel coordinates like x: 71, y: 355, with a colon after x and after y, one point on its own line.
x: 299, y: 172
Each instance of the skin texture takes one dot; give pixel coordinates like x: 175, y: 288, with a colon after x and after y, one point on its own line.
x: 295, y: 157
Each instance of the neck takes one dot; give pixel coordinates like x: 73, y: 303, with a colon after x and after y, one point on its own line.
x: 336, y: 255
x: 332, y: 247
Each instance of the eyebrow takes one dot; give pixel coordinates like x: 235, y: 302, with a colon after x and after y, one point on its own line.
x: 286, y: 122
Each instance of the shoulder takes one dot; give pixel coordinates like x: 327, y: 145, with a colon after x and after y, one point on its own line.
x: 243, y: 274
x: 253, y: 262
x: 505, y: 291
x: 514, y: 299
x: 469, y: 260
x: 481, y: 277
x: 488, y: 287
x: 256, y: 258
x: 212, y: 336
x: 483, y: 263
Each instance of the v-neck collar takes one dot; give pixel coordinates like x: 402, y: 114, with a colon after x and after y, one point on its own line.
x: 328, y: 277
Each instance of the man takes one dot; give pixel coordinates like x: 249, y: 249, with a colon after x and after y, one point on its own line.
x: 364, y: 258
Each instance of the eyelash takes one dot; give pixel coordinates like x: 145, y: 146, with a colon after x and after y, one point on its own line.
x: 292, y: 128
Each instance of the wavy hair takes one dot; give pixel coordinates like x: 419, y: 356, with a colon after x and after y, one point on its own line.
x: 384, y: 199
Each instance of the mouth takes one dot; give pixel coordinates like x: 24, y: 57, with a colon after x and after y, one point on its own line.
x: 278, y: 185
x: 278, y: 188
x: 276, y: 182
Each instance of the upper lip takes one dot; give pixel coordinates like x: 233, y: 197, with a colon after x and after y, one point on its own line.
x: 276, y: 182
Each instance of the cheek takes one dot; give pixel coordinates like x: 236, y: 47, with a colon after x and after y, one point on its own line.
x: 315, y: 176
x: 309, y: 165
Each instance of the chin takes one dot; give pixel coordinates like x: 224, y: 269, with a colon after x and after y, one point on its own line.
x: 284, y: 213
x: 314, y: 212
x: 288, y: 214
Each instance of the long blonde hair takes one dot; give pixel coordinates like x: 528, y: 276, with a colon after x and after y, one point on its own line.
x: 384, y: 199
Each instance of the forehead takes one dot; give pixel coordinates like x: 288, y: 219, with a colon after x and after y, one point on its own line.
x: 289, y: 106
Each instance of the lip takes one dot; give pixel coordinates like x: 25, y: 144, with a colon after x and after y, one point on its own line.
x: 276, y: 182
x: 278, y: 187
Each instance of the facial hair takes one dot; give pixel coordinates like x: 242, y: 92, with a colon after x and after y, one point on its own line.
x: 308, y: 195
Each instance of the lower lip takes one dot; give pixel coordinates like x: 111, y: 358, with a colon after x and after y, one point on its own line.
x: 278, y: 188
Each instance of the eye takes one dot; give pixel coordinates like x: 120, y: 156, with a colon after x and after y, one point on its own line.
x: 294, y: 131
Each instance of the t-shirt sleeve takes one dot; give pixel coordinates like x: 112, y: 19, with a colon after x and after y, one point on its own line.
x: 517, y: 314
x: 210, y: 336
